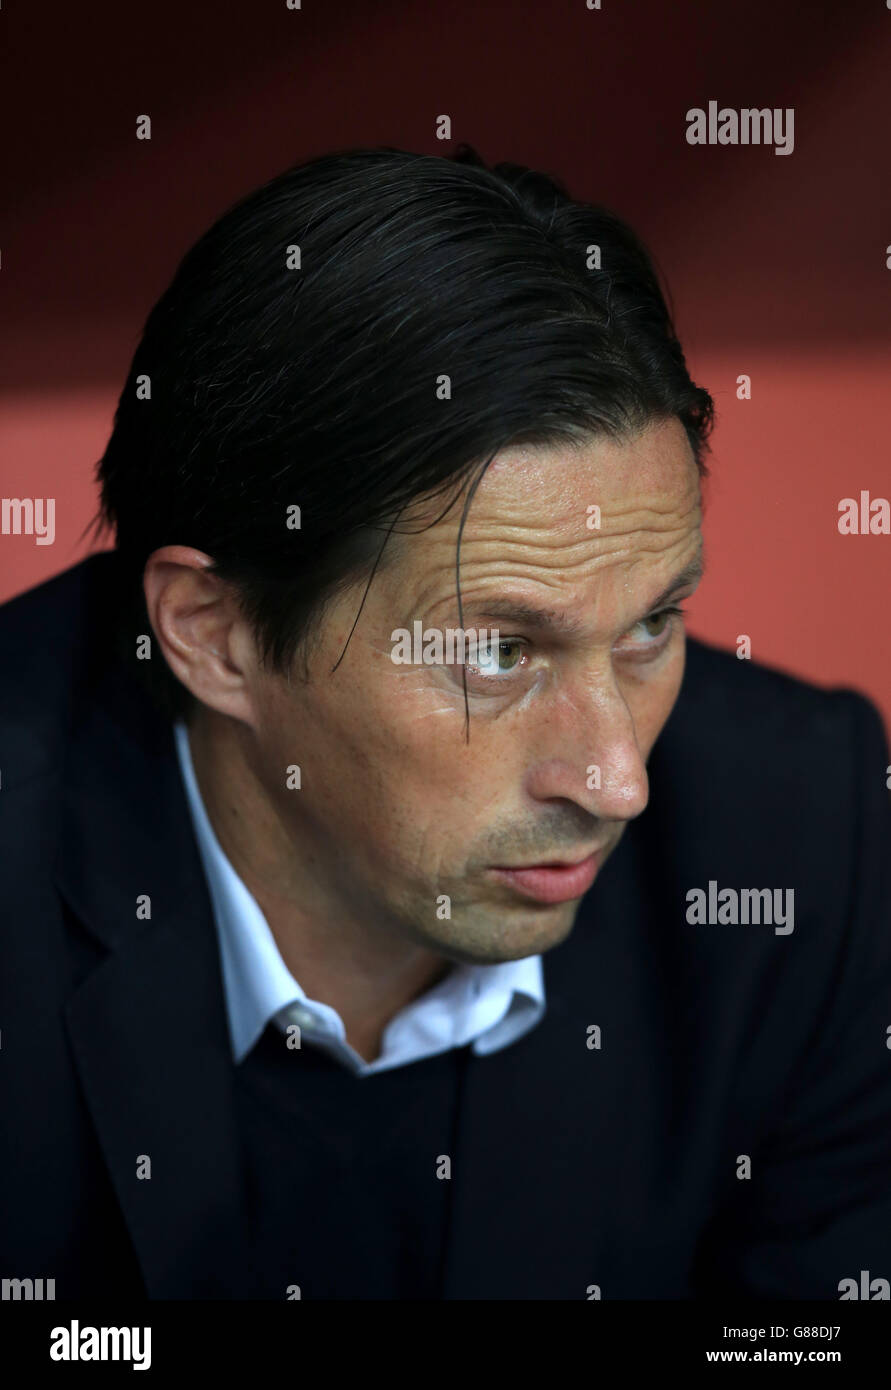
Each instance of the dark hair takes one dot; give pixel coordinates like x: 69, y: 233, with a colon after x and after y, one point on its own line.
x: 279, y: 380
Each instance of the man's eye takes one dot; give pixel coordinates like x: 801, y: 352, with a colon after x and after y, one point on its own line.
x: 657, y: 626
x: 497, y: 659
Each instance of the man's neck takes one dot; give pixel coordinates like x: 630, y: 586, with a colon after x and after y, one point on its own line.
x: 367, y: 972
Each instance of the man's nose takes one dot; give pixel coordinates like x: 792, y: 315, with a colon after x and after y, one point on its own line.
x: 595, y: 759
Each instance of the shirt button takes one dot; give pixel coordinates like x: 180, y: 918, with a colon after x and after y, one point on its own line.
x: 302, y: 1017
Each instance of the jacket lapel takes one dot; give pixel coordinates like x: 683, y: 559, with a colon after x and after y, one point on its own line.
x: 148, y: 1026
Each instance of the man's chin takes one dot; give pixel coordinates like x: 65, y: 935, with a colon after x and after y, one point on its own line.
x: 492, y: 936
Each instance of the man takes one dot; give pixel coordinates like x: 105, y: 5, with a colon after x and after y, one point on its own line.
x: 562, y: 970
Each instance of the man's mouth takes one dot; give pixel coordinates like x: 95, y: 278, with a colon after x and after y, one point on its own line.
x: 553, y: 881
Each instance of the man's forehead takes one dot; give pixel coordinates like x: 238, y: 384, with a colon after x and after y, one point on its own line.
x: 657, y: 461
x: 556, y: 515
x: 567, y: 494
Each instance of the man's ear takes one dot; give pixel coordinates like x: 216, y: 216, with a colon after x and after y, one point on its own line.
x: 205, y: 639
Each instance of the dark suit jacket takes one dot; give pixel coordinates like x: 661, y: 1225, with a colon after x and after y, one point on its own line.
x: 576, y: 1166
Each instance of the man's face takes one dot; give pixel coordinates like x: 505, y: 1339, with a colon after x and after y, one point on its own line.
x: 396, y: 811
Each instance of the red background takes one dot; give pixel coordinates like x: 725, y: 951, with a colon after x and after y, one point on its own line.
x: 776, y: 264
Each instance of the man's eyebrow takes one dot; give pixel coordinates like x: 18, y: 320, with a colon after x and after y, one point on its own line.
x: 529, y: 615
x: 690, y: 574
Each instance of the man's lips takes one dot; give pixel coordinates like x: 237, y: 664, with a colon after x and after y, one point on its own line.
x: 552, y: 882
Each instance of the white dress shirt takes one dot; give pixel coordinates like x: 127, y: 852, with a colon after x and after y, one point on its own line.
x: 488, y: 1005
